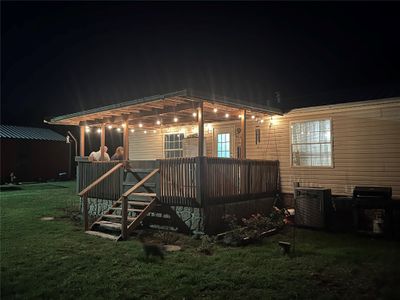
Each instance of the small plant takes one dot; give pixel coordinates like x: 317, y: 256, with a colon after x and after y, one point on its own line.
x: 253, y: 228
x: 206, y: 246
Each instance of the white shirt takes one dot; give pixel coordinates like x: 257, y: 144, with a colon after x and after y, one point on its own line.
x: 96, y: 155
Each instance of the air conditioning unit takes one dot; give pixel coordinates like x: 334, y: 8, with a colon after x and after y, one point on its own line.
x: 312, y: 206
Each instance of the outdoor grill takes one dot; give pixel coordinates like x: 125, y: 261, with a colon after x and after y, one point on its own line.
x: 371, y: 197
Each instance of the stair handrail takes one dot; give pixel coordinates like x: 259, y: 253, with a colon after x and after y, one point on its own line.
x: 124, y: 200
x: 100, y: 179
x: 140, y: 183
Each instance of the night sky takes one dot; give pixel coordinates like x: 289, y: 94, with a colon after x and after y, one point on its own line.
x: 58, y: 58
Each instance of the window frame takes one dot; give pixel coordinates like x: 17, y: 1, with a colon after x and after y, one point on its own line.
x: 229, y: 144
x: 331, y: 142
x: 175, y: 149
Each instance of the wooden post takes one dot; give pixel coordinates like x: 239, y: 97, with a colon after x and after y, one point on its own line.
x: 244, y: 127
x: 124, y: 221
x: 85, y: 213
x: 200, y: 124
x: 82, y: 142
x: 126, y: 141
x: 102, y: 142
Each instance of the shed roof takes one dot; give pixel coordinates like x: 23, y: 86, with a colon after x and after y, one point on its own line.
x: 29, y: 133
x: 160, y: 104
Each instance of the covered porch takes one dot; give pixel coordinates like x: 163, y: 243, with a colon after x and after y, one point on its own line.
x: 204, y: 185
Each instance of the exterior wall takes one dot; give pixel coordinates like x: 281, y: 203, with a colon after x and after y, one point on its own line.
x: 151, y: 145
x: 366, y: 146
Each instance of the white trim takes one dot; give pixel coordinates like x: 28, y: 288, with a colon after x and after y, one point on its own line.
x: 291, y: 145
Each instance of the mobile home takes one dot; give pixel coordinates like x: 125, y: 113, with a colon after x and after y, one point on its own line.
x: 190, y: 159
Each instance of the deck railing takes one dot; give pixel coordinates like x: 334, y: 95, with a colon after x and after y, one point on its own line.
x: 110, y: 188
x: 178, y: 181
x: 192, y: 181
x: 202, y: 181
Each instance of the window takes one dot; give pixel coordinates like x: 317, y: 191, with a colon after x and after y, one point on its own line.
x: 258, y: 136
x: 311, y: 144
x: 223, y: 145
x: 173, y: 145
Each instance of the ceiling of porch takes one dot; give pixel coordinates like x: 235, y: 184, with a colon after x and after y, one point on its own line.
x: 179, y: 108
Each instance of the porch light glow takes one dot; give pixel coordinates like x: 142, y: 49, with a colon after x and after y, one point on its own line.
x: 262, y: 121
x: 140, y: 125
x: 109, y: 126
x: 194, y: 115
x: 123, y: 125
x: 175, y: 119
x: 87, y: 129
x: 226, y: 115
x: 253, y: 117
x: 215, y: 110
x: 98, y: 130
x: 239, y: 116
x: 132, y: 130
x: 119, y: 129
x: 145, y: 132
x: 154, y: 131
x: 158, y: 122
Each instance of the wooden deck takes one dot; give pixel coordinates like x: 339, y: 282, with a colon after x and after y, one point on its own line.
x: 176, y: 191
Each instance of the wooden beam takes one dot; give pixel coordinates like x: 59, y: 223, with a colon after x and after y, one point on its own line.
x: 102, y: 141
x: 243, y: 123
x: 82, y: 141
x: 143, y: 114
x: 126, y: 141
x: 200, y: 124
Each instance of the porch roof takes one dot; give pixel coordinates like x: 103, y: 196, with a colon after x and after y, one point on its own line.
x: 168, y: 109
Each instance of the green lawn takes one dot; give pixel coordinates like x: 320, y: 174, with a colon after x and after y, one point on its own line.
x: 55, y: 259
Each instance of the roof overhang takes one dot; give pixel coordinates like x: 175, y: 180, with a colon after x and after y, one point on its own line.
x: 166, y: 108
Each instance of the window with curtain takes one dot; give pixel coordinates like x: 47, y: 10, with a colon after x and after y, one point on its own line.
x: 173, y: 145
x: 311, y: 143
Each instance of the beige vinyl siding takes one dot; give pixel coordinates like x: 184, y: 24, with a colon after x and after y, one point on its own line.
x: 366, y: 146
x: 151, y: 145
x: 365, y: 142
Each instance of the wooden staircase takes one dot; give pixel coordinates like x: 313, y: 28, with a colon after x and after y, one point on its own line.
x: 128, y: 211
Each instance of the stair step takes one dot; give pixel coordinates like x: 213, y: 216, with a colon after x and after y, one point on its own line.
x: 108, y: 224
x: 138, y: 203
x: 140, y: 170
x: 145, y: 194
x: 103, y: 235
x: 147, y: 184
x: 130, y: 219
x: 129, y: 209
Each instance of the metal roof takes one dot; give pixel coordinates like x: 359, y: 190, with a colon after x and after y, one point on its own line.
x: 190, y: 94
x: 29, y: 133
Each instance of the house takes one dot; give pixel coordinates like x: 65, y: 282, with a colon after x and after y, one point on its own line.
x: 32, y: 154
x: 210, y: 156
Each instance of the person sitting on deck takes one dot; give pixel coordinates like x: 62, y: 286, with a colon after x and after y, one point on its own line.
x: 119, y: 154
x: 96, y: 156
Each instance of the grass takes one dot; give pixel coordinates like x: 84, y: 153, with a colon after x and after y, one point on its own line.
x: 56, y: 260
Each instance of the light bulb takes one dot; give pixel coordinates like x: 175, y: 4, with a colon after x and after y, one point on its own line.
x: 215, y: 110
x: 226, y: 115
